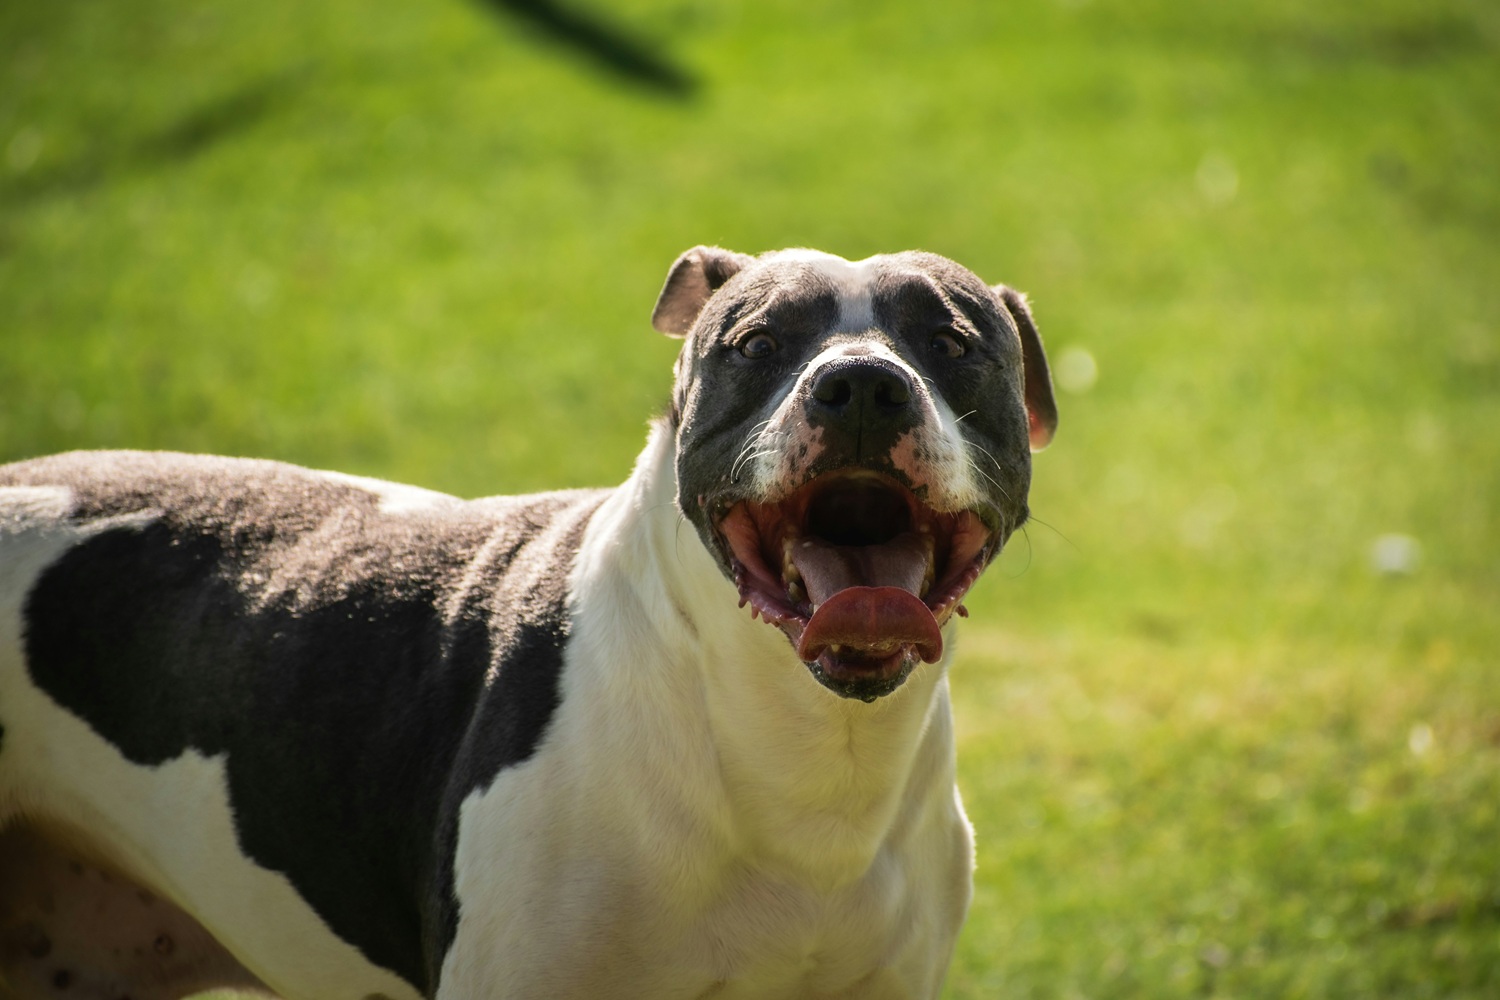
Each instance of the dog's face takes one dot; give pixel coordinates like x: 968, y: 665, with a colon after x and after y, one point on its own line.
x: 853, y: 443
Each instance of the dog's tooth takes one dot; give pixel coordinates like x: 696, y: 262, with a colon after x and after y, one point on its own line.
x: 835, y: 648
x: 794, y: 591
x: 788, y: 568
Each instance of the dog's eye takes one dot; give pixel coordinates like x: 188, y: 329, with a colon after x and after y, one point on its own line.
x: 948, y: 344
x: 758, y: 345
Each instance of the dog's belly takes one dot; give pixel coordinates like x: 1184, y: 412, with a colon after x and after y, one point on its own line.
x: 71, y: 924
x: 87, y: 901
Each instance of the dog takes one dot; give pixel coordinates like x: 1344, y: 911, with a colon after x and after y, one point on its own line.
x: 266, y: 728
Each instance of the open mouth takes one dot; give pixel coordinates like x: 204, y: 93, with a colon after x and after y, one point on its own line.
x: 858, y: 572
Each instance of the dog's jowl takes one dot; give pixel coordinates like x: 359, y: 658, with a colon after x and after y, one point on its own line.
x: 275, y: 729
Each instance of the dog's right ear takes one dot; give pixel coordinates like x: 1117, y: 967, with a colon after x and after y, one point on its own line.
x: 692, y: 280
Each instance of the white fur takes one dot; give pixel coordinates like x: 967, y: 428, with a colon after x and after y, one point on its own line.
x: 703, y: 818
x: 854, y: 281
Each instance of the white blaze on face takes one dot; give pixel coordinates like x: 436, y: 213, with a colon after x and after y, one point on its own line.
x: 853, y: 281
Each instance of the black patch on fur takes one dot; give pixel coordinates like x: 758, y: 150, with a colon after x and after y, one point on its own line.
x: 362, y: 671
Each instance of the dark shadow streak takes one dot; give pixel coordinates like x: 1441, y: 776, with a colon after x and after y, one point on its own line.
x: 194, y: 132
x: 212, y: 122
x: 603, y: 43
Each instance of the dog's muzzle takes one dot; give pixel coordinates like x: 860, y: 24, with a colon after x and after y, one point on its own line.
x: 857, y: 569
x: 861, y: 406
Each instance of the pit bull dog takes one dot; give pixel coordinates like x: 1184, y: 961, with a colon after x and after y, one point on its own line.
x: 273, y: 729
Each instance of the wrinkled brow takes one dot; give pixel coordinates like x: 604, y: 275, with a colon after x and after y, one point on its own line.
x: 906, y: 301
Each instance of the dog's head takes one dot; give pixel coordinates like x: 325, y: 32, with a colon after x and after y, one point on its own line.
x: 853, y: 443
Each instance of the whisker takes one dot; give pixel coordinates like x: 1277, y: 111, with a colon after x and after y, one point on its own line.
x: 985, y: 452
x: 734, y: 473
x: 740, y: 460
x: 751, y: 441
x: 1056, y: 531
x: 1030, y: 551
x: 993, y: 482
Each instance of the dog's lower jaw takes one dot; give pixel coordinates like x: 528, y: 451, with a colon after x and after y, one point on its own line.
x: 866, y: 684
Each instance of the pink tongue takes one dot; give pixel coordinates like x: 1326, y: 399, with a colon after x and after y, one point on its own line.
x: 875, y: 621
x: 867, y: 597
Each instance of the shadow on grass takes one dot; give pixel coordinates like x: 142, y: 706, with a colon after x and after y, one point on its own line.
x: 223, y: 117
x: 195, y: 131
x: 603, y: 44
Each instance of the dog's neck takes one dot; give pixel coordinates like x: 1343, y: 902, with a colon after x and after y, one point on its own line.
x: 808, y: 781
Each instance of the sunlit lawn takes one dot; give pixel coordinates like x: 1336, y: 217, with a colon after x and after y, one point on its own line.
x: 1229, y: 714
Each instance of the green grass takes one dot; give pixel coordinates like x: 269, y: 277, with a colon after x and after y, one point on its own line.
x: 1209, y: 750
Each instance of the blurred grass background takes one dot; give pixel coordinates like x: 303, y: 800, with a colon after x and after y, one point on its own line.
x: 1229, y: 713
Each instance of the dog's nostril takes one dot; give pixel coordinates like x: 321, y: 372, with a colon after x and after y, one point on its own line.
x: 872, y: 385
x: 833, y: 391
x: 892, y: 392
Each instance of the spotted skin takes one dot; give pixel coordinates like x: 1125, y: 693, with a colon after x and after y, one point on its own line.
x: 70, y: 927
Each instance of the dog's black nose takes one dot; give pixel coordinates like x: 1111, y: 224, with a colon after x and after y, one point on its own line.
x: 867, y: 399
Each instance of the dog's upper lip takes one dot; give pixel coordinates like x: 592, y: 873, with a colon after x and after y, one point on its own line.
x: 898, y: 567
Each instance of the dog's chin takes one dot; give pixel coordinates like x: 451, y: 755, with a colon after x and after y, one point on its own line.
x: 863, y: 677
x: 857, y: 571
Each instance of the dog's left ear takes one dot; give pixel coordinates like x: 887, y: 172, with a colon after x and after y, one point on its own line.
x: 697, y: 274
x: 1041, y: 408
